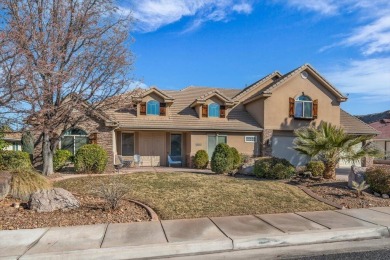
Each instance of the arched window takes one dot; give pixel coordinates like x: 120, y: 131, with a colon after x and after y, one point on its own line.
x: 73, y: 139
x: 303, y: 107
x: 214, y: 110
x: 153, y: 107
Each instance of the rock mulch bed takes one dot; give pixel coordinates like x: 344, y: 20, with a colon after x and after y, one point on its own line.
x: 339, y: 193
x: 92, y: 211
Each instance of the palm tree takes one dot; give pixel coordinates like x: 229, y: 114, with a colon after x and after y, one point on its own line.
x: 331, y: 144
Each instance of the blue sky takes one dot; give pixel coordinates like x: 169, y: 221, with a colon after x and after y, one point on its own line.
x: 226, y: 43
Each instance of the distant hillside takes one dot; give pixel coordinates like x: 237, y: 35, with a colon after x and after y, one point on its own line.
x: 374, y: 117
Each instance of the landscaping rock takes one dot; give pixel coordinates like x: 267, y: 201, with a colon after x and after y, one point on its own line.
x: 385, y: 196
x: 247, y: 168
x: 5, y: 184
x: 376, y: 194
x: 357, y: 174
x: 54, y: 199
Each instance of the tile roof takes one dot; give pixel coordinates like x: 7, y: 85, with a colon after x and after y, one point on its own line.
x: 383, y: 126
x: 256, y: 84
x: 183, y: 117
x: 12, y: 136
x: 353, y: 125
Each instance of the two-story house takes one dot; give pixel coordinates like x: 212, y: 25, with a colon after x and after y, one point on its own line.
x: 258, y: 120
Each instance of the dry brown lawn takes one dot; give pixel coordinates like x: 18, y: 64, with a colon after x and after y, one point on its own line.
x: 189, y: 195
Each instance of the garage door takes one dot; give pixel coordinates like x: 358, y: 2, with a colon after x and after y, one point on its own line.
x: 282, y: 147
x: 152, y: 148
x: 349, y: 164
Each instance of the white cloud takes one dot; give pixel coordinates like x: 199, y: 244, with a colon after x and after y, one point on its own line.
x: 325, y: 7
x: 151, y: 15
x: 374, y: 37
x: 370, y: 77
x: 243, y: 8
x: 372, y: 33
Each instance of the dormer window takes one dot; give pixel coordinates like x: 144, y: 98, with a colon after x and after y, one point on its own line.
x: 153, y: 107
x: 303, y: 107
x: 214, y: 110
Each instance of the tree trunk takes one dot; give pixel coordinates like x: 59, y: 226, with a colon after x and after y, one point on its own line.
x: 47, y: 154
x: 330, y: 170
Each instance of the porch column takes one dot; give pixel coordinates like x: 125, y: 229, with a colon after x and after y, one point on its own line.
x: 266, y: 142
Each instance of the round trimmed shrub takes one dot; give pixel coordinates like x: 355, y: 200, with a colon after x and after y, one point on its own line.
x: 222, y: 159
x: 61, y: 157
x: 379, y: 179
x: 273, y: 168
x: 236, y: 158
x: 15, y: 160
x: 90, y: 158
x: 201, y: 159
x: 316, y: 168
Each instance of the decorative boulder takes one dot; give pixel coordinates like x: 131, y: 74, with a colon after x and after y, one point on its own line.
x: 357, y: 174
x: 5, y: 184
x: 247, y: 167
x: 53, y: 199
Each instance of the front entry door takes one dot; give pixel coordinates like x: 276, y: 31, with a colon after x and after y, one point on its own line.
x: 152, y: 148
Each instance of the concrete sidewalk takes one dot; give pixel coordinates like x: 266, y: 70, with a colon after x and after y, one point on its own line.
x: 194, y: 236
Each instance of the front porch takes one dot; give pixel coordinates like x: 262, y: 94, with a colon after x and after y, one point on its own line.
x: 152, y: 146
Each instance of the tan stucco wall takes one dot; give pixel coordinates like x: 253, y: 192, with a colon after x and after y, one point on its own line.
x: 256, y: 110
x: 199, y: 141
x: 276, y: 107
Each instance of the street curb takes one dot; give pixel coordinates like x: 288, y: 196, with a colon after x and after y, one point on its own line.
x: 315, y: 196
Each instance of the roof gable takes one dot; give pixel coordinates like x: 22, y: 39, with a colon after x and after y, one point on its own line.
x: 258, y: 85
x: 213, y: 93
x: 155, y: 90
x: 267, y: 91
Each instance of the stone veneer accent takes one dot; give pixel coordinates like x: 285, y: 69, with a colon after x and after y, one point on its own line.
x: 265, y: 142
x: 90, y: 125
x: 367, y: 161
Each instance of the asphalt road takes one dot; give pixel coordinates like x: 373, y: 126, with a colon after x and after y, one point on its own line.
x: 366, y: 255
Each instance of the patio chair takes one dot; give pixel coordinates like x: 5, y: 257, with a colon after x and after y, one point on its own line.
x: 125, y: 163
x: 137, y: 160
x: 119, y: 165
x: 172, y: 162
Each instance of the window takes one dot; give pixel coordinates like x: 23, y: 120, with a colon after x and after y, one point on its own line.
x: 213, y: 140
x: 250, y: 139
x: 153, y: 107
x: 214, y: 110
x: 303, y: 107
x: 73, y: 139
x: 175, y: 146
x: 127, y: 144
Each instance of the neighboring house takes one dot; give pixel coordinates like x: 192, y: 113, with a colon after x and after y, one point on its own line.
x: 383, y: 139
x: 258, y: 120
x: 381, y: 123
x: 14, y: 140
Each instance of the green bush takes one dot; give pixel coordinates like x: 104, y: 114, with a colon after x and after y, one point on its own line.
x: 90, y: 158
x: 316, y: 168
x: 14, y: 160
x: 236, y: 158
x: 222, y: 159
x: 201, y: 159
x: 273, y: 168
x: 379, y: 179
x: 61, y: 157
x: 25, y: 182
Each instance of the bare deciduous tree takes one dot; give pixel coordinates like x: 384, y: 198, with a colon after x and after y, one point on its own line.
x: 56, y: 55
